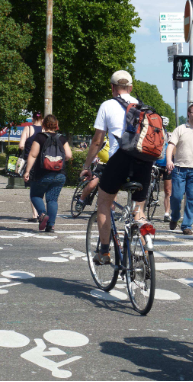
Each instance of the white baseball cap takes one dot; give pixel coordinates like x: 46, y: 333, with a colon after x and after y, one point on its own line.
x: 121, y: 77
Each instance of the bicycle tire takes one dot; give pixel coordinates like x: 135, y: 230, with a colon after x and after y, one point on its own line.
x: 105, y: 276
x: 140, y: 278
x: 153, y: 201
x: 77, y: 194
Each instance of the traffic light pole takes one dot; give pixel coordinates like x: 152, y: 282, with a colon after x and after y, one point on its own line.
x: 176, y: 102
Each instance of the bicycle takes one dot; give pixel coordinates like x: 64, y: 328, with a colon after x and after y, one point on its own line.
x: 78, y: 192
x: 152, y: 201
x: 134, y: 258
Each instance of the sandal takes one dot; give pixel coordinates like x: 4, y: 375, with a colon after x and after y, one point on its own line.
x: 43, y: 218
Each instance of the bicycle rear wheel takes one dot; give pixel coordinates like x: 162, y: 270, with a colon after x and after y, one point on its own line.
x: 153, y: 201
x: 141, y: 276
x: 105, y: 276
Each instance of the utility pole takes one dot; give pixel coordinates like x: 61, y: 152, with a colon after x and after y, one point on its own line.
x: 49, y: 60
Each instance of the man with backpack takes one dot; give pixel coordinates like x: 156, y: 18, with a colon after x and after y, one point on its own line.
x: 111, y: 118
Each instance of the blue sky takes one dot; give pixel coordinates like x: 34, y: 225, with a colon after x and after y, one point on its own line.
x: 152, y: 64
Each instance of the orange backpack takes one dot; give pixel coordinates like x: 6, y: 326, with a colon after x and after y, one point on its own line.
x: 144, y: 137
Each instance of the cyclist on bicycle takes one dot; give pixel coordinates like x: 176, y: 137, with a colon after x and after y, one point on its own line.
x: 111, y: 117
x: 167, y: 178
x: 101, y: 160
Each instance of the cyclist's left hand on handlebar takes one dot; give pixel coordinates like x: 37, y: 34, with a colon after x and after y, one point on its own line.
x: 86, y: 173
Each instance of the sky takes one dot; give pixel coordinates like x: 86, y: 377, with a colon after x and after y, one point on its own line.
x: 152, y: 64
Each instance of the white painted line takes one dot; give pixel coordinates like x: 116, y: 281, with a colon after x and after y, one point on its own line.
x: 66, y: 338
x: 188, y: 282
x: 174, y: 243
x: 9, y: 285
x: 161, y: 294
x: 113, y: 295
x: 173, y: 254
x: 12, y: 339
x: 18, y: 274
x: 75, y: 231
x: 174, y: 265
x: 53, y: 259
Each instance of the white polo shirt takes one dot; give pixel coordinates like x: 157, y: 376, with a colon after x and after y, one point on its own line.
x: 182, y: 138
x: 111, y: 117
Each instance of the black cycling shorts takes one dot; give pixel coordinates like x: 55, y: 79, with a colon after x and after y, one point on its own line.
x: 121, y: 166
x: 166, y: 176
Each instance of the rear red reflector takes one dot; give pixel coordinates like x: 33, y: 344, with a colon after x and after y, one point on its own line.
x: 147, y: 228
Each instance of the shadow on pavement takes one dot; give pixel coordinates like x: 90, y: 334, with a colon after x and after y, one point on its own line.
x: 157, y: 359
x: 80, y: 290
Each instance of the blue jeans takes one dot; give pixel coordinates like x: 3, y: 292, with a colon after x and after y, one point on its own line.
x: 182, y: 182
x: 50, y: 185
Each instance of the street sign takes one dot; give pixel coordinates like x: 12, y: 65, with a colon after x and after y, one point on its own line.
x: 172, y: 37
x: 182, y: 68
x: 174, y: 17
x: 187, y: 20
x: 171, y: 27
x: 172, y: 50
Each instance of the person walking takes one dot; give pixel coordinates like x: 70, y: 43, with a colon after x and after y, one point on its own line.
x: 182, y: 173
x: 46, y: 182
x: 111, y: 117
x: 167, y: 177
x: 27, y: 137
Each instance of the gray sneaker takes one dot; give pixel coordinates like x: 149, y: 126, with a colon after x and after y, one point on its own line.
x: 102, y: 259
x: 167, y: 218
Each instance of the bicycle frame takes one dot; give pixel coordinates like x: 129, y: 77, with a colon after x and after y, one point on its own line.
x: 127, y: 228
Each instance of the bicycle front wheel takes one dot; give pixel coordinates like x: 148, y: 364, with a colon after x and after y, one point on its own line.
x: 140, y: 277
x: 153, y: 201
x: 76, y: 196
x: 105, y: 276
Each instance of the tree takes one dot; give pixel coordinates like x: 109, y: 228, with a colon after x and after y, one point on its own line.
x: 16, y: 81
x: 182, y: 120
x: 91, y: 39
x: 150, y: 95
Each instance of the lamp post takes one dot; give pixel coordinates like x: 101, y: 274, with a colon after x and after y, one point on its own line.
x: 49, y: 60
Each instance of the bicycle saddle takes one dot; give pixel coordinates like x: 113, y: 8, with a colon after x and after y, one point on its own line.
x: 132, y: 186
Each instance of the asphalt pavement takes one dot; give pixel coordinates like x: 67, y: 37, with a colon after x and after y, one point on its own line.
x: 55, y: 323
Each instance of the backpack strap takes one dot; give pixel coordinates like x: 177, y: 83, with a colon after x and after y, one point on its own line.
x: 124, y: 103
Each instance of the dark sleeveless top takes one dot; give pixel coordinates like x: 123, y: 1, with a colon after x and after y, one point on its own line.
x: 29, y: 141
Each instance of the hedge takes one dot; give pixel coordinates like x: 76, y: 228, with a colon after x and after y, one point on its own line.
x: 73, y: 166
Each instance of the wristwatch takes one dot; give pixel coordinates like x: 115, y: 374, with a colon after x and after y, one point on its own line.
x: 86, y: 167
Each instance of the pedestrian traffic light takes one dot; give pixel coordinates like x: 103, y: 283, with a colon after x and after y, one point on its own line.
x: 182, y: 68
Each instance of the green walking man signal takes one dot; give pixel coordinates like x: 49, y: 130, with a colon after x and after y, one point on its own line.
x: 182, y: 68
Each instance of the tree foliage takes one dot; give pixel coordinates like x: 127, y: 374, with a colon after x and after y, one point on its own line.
x: 16, y: 79
x: 182, y: 120
x: 150, y: 95
x: 91, y: 39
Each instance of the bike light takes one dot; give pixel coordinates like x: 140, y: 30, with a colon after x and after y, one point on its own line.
x: 147, y: 228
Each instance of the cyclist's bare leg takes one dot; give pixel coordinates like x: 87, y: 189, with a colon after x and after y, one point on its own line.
x: 104, y: 215
x: 89, y: 188
x: 167, y: 194
x: 139, y: 210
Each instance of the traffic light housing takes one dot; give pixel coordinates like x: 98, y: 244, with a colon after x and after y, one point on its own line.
x: 182, y: 68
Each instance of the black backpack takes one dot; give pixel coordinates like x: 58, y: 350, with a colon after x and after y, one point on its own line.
x: 52, y: 153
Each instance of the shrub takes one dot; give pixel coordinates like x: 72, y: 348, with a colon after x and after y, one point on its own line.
x: 74, y: 166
